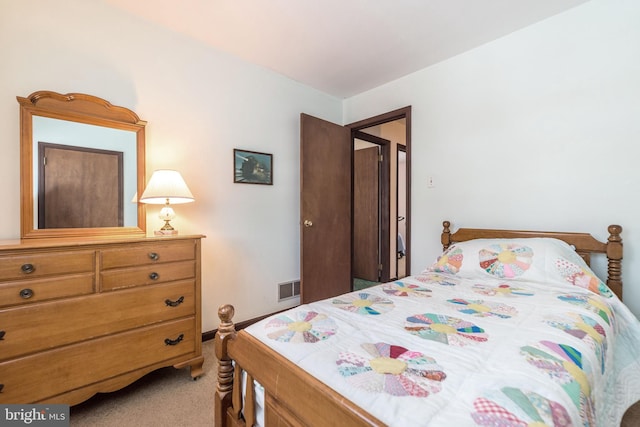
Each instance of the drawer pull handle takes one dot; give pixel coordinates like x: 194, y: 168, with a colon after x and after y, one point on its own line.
x: 26, y: 293
x: 2, y: 333
x: 168, y: 341
x: 175, y: 303
x: 27, y: 268
x: 154, y: 256
x: 1, y: 387
x: 154, y: 276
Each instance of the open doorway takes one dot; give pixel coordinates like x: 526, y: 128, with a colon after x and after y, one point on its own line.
x: 371, y: 203
x: 389, y: 208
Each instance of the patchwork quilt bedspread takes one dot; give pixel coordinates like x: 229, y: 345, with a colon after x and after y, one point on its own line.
x: 494, y: 333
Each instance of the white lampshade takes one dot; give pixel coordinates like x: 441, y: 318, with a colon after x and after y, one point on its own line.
x: 166, y: 186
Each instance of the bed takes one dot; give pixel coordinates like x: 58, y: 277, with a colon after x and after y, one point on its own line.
x: 505, y: 328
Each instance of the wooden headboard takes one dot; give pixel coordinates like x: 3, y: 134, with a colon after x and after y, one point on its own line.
x: 584, y: 243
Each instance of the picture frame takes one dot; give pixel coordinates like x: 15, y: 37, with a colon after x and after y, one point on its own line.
x: 252, y: 167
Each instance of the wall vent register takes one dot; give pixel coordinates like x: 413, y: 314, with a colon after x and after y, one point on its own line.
x: 288, y: 290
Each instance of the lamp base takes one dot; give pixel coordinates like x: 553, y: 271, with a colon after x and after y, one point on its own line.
x: 165, y: 232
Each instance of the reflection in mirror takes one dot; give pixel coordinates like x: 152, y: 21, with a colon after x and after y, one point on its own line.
x: 86, y: 175
x: 82, y: 164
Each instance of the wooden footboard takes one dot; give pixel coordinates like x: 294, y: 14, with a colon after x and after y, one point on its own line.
x: 292, y: 397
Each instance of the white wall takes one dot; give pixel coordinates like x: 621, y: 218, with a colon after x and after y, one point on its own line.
x: 199, y: 105
x: 537, y: 130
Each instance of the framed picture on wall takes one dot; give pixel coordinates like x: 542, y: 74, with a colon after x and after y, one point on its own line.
x: 252, y: 167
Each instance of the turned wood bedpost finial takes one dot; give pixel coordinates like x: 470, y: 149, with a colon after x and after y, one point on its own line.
x: 614, y: 254
x: 445, y: 238
x: 226, y: 331
x: 225, y: 313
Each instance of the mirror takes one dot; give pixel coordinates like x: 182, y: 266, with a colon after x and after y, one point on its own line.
x: 70, y: 146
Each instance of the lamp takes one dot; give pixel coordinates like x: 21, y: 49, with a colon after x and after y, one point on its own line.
x: 166, y: 187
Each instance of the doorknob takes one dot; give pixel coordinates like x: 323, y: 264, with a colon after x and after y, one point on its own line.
x: 307, y: 223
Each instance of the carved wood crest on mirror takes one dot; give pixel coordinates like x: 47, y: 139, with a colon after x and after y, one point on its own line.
x: 82, y: 165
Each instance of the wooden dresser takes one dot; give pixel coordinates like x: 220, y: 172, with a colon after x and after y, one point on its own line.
x: 82, y: 316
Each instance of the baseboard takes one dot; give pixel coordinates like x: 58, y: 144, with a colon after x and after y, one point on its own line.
x: 209, y: 335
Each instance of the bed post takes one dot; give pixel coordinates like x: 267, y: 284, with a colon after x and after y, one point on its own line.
x: 445, y: 237
x: 226, y: 331
x: 614, y: 255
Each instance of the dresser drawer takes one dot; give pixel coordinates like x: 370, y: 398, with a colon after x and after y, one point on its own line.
x: 93, y: 314
x: 36, y: 327
x: 33, y: 291
x: 148, y: 254
x: 47, y: 374
x: 32, y: 265
x: 147, y: 275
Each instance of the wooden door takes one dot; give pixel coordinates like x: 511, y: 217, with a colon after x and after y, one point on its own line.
x: 79, y: 187
x: 325, y: 208
x: 366, y: 214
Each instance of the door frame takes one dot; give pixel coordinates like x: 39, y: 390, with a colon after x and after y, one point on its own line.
x: 401, y: 113
x: 401, y: 148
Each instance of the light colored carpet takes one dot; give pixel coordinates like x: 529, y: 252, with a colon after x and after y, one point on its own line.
x: 166, y: 397
x: 360, y: 284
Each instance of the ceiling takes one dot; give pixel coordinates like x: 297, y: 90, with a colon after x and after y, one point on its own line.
x: 344, y: 47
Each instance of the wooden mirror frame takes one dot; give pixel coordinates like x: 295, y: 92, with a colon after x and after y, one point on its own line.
x: 81, y: 108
